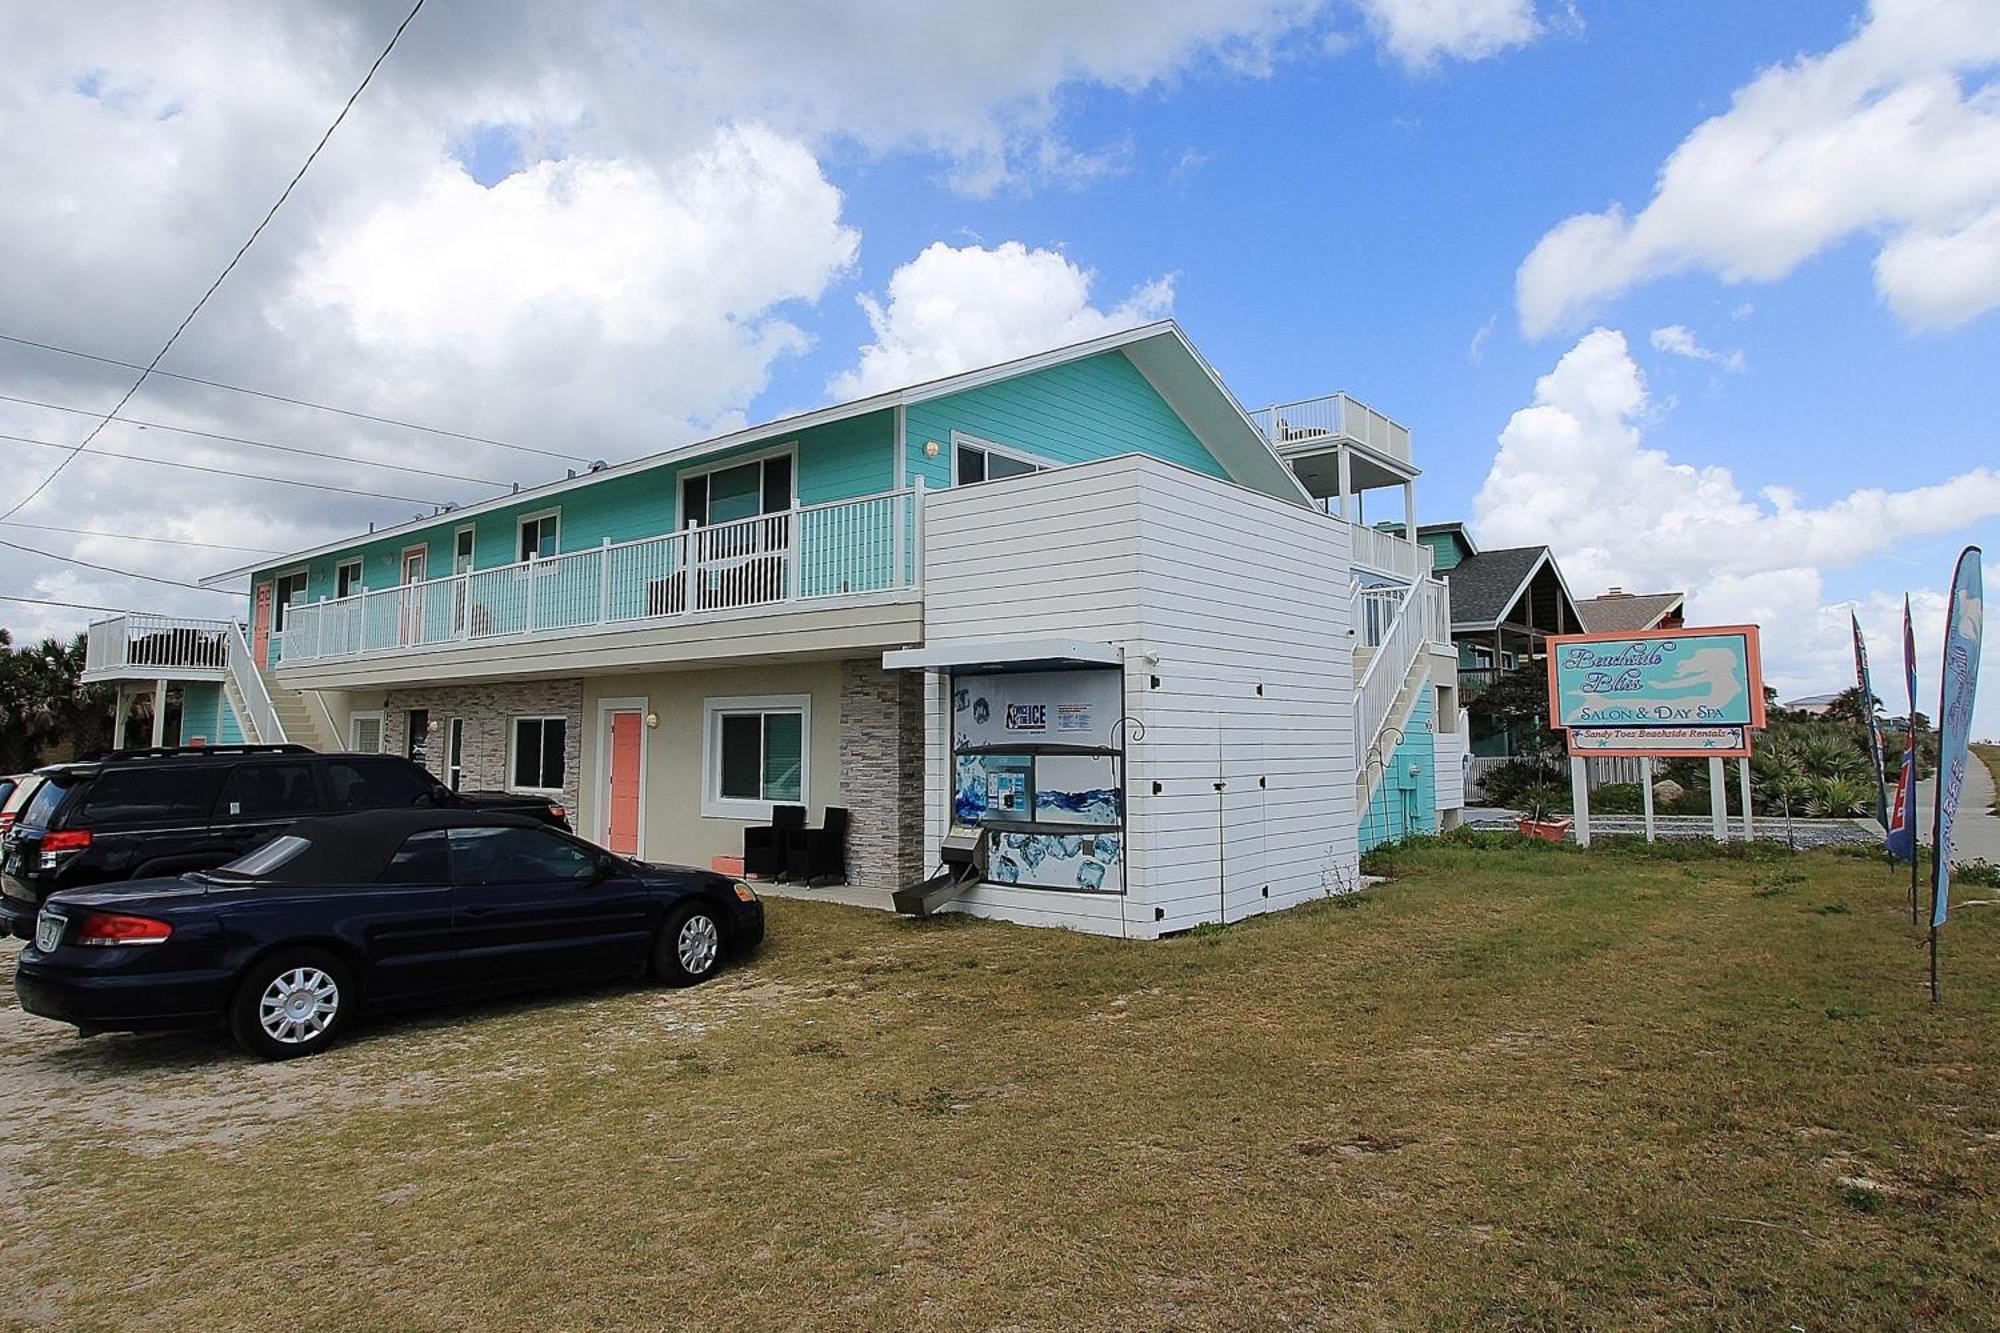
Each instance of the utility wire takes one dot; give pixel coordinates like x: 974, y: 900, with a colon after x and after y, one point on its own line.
x: 137, y: 537
x: 75, y: 449
x: 71, y: 606
x: 295, y: 402
x: 112, y: 569
x: 259, y: 444
x: 227, y: 269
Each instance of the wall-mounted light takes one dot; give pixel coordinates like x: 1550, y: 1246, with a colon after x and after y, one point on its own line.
x: 652, y: 719
x: 932, y: 449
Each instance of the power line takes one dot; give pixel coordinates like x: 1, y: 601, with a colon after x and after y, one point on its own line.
x: 137, y: 537
x: 259, y: 444
x: 74, y: 449
x: 295, y: 402
x: 71, y: 606
x: 112, y: 569
x: 227, y: 269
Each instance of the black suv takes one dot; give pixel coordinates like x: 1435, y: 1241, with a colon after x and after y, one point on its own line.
x: 134, y: 813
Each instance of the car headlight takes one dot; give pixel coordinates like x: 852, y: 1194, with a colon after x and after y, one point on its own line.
x: 745, y: 893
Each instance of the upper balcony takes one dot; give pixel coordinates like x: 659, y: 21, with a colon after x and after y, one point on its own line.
x: 138, y: 646
x: 624, y: 603
x: 1314, y: 424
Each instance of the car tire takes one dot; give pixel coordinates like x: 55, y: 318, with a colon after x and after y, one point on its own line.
x: 690, y: 946
x: 292, y: 1003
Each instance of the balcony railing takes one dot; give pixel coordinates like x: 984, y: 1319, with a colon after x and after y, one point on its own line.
x: 1334, y: 415
x: 1387, y: 553
x: 138, y: 643
x: 810, y: 553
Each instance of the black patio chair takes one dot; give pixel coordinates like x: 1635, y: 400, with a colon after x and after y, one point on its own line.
x: 767, y: 848
x: 821, y: 853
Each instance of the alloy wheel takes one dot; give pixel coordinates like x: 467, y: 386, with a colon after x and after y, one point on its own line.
x: 298, y: 1006
x: 699, y: 944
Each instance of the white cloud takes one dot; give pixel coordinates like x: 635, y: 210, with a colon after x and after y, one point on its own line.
x: 1421, y: 32
x: 1572, y: 471
x: 1475, y: 351
x: 953, y: 309
x: 1890, y: 133
x: 1679, y: 340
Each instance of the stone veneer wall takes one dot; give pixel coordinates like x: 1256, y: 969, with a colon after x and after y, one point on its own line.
x: 882, y: 773
x: 488, y: 710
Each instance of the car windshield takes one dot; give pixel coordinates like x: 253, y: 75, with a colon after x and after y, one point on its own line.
x: 255, y: 865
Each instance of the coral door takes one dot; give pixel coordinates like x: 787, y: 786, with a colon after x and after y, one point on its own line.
x: 621, y: 824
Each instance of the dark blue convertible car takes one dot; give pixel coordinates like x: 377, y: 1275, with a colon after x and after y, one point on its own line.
x: 370, y: 912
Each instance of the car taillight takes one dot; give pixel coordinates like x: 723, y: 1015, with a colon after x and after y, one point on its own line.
x: 117, y: 928
x: 72, y: 840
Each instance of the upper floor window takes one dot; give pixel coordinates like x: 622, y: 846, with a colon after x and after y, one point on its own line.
x: 745, y: 490
x: 541, y: 535
x: 291, y: 588
x: 347, y: 578
x: 974, y: 461
x: 461, y: 553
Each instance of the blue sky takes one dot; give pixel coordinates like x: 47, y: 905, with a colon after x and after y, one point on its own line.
x: 1702, y: 295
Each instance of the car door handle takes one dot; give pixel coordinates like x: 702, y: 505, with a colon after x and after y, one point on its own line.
x: 480, y: 911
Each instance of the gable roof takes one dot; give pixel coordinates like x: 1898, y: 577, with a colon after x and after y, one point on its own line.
x: 1484, y: 585
x: 1618, y: 610
x: 1160, y: 351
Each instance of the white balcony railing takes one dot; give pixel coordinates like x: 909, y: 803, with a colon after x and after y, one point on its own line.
x: 843, y: 548
x: 1388, y: 553
x: 137, y: 643
x: 1409, y: 632
x: 1336, y: 414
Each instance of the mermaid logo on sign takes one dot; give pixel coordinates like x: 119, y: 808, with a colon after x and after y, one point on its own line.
x: 1657, y: 678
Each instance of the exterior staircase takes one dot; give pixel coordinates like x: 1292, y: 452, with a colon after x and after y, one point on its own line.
x: 1395, y: 672
x: 302, y: 719
x: 271, y: 712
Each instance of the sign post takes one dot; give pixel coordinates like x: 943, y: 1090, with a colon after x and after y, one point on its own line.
x: 1718, y: 799
x: 1579, y: 797
x: 1646, y: 791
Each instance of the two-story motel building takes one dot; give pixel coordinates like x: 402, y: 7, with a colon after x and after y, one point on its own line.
x: 1082, y: 598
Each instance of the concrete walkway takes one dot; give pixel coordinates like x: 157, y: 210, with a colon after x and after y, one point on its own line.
x: 1975, y: 832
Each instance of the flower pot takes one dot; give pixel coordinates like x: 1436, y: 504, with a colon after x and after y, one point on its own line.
x: 1548, y: 830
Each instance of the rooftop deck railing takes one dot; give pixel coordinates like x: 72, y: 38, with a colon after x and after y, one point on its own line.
x: 805, y: 554
x: 1334, y: 415
x: 139, y: 642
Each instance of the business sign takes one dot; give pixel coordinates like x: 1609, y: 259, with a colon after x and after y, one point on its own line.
x: 1002, y: 709
x: 1902, y: 827
x: 1718, y: 742
x: 1657, y: 679
x: 1867, y: 689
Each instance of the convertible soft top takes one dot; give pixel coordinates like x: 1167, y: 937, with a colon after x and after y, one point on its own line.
x: 353, y: 849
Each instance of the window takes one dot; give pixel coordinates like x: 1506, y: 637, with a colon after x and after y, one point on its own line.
x: 541, y: 535
x: 461, y: 551
x: 347, y: 578
x: 754, y: 755
x: 290, y: 588
x: 268, y: 791
x: 375, y: 784
x: 518, y: 856
x: 538, y: 754
x: 723, y: 495
x: 263, y: 860
x: 137, y: 795
x: 454, y: 753
x: 364, y: 732
x: 974, y: 461
x: 418, y: 729
x: 424, y: 858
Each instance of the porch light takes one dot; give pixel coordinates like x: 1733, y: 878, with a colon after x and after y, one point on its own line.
x: 931, y: 449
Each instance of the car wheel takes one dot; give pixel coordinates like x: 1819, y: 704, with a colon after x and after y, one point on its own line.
x: 291, y: 1004
x: 689, y: 949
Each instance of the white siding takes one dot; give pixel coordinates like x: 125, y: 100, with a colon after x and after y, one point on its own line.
x: 1242, y: 599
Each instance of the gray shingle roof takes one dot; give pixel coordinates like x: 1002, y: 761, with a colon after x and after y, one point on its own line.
x: 1483, y: 585
x: 1616, y: 611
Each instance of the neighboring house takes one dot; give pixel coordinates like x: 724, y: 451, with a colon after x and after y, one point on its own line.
x: 1813, y: 705
x: 1619, y: 612
x: 1505, y: 603
x: 1081, y: 599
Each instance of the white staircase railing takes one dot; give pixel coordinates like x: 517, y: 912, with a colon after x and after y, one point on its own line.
x: 260, y: 712
x: 1408, y: 635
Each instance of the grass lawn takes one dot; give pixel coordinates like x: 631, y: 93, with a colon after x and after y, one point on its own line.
x: 1513, y: 1087
x: 1990, y: 755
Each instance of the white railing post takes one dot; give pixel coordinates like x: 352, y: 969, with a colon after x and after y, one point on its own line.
x: 915, y: 573
x: 604, y: 583
x: 528, y: 620
x: 319, y: 630
x: 795, y: 542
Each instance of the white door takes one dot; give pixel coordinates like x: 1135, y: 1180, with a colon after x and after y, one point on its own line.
x: 415, y: 561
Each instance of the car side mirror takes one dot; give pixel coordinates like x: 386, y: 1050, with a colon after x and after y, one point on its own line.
x: 439, y: 795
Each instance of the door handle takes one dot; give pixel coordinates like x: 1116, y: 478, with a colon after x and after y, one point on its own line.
x: 480, y: 911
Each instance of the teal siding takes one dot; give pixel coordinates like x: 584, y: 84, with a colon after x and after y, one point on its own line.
x: 1099, y: 407
x: 1447, y: 548
x: 842, y: 460
x: 1395, y: 811
x: 205, y: 712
